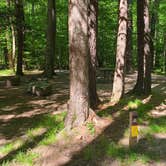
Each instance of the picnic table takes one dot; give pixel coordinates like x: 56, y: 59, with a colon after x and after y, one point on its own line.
x: 106, y: 73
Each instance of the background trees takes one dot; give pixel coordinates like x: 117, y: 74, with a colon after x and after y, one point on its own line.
x: 35, y: 24
x: 42, y: 43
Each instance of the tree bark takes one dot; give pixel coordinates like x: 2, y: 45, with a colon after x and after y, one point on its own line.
x: 13, y: 45
x: 7, y: 48
x: 147, y: 52
x: 143, y: 85
x: 78, y: 111
x: 118, y: 83
x: 51, y: 32
x: 13, y: 52
x: 5, y: 53
x: 20, y: 35
x: 164, y: 54
x: 92, y: 33
x: 139, y: 87
x: 129, y: 39
x: 154, y: 22
x: 33, y: 8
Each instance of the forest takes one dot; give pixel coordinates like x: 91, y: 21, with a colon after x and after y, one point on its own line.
x: 82, y: 82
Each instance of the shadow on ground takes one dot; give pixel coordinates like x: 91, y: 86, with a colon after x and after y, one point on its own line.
x: 153, y: 149
x: 94, y: 153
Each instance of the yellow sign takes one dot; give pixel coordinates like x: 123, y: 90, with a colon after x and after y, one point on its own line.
x: 134, y: 131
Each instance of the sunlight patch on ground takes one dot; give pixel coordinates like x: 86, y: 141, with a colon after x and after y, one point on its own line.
x: 9, y: 108
x: 159, y: 111
x: 6, y: 118
x: 155, y: 85
x: 40, y: 102
x: 2, y: 97
x: 32, y: 113
x: 160, y: 136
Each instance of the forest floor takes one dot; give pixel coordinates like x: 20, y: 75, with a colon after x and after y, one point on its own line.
x: 31, y: 128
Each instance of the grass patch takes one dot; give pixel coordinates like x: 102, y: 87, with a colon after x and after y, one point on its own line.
x: 7, y: 72
x: 159, y: 72
x: 105, y: 147
x: 7, y: 148
x: 6, y: 164
x: 91, y: 128
x: 26, y: 158
x: 105, y: 113
x: 147, y: 149
x: 96, y: 150
x: 48, y: 124
x: 157, y: 125
x: 53, y: 124
x: 125, y: 155
x: 134, y: 104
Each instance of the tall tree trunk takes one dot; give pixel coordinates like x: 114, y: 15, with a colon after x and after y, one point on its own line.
x: 33, y: 8
x: 118, y: 83
x: 20, y: 35
x: 129, y: 38
x: 139, y: 87
x: 5, y: 53
x: 154, y: 22
x: 51, y: 30
x: 92, y: 33
x: 13, y: 52
x: 147, y: 52
x: 164, y: 54
x: 143, y: 85
x: 79, y: 61
x: 13, y: 45
x: 8, y: 48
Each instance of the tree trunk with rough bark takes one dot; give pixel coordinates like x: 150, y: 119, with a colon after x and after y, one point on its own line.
x: 143, y: 85
x: 118, y: 83
x: 139, y: 87
x: 147, y: 51
x: 78, y: 111
x: 92, y: 33
x: 129, y: 38
x: 11, y: 29
x: 20, y: 35
x: 51, y: 32
x: 154, y: 22
x: 164, y: 54
x: 5, y: 53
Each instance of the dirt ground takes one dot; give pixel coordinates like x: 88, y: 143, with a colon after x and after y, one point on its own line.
x: 18, y: 110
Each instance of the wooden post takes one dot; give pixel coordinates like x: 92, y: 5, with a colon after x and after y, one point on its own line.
x: 133, y: 129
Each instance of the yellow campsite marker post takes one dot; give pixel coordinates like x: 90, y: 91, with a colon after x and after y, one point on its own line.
x: 133, y: 129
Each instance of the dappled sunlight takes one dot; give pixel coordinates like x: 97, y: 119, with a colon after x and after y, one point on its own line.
x: 20, y: 117
x: 40, y: 103
x: 118, y: 132
x: 9, y: 108
x: 159, y: 111
x: 155, y: 85
x: 147, y: 99
x: 41, y: 133
x: 5, y: 118
x: 27, y: 144
x: 31, y: 113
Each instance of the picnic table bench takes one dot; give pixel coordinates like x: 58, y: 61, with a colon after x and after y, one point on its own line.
x: 106, y: 73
